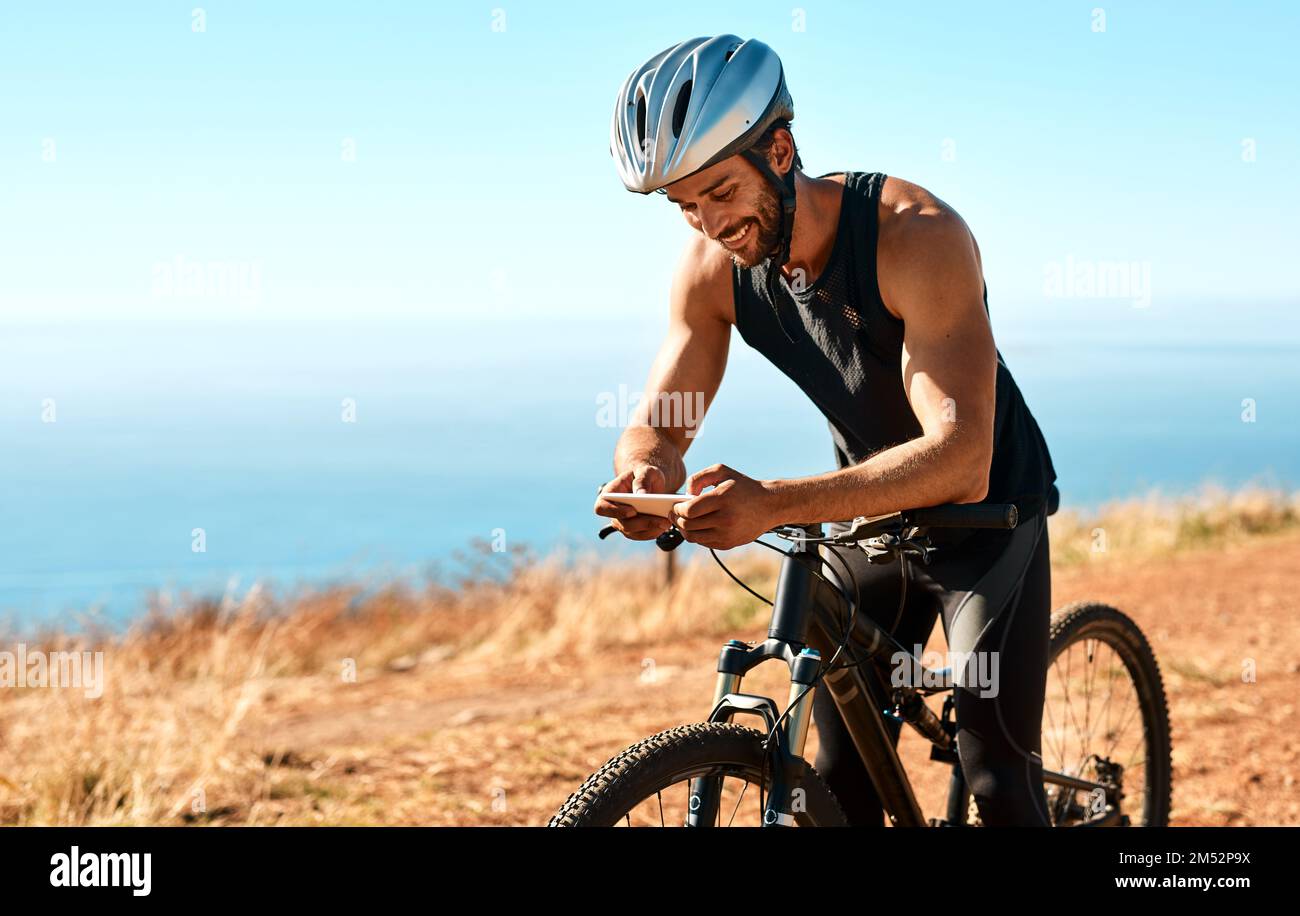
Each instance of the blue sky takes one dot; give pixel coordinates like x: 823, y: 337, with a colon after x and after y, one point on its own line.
x: 482, y: 184
x: 402, y: 200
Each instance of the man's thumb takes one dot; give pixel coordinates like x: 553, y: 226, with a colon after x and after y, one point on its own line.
x: 645, y: 480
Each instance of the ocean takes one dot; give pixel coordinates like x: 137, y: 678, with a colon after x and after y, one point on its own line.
x: 303, y: 454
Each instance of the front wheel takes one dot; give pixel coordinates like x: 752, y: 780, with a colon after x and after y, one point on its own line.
x: 649, y: 784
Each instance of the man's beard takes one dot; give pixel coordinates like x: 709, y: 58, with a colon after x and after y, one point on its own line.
x: 767, y: 222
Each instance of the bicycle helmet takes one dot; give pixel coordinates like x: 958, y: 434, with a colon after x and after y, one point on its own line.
x: 695, y: 104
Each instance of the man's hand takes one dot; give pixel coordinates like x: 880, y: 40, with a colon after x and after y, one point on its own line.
x: 641, y: 479
x: 736, y: 511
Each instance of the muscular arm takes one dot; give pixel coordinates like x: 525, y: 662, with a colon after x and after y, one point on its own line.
x: 683, y: 381
x: 687, y: 371
x: 930, y: 277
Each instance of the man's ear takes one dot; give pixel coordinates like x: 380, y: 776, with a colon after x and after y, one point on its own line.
x: 781, y: 154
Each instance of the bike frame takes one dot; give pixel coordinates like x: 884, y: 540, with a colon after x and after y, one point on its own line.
x: 802, y: 632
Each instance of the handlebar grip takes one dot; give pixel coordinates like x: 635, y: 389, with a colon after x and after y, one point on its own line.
x: 965, y: 515
x: 669, y: 540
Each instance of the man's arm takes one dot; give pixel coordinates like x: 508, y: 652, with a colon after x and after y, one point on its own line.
x: 683, y: 381
x: 930, y: 277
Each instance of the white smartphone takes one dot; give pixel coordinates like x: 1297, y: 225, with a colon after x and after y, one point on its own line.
x: 648, y: 503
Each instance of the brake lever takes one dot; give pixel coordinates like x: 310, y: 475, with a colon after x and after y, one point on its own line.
x: 921, y: 548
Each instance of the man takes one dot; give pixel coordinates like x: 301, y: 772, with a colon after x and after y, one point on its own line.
x: 869, y: 295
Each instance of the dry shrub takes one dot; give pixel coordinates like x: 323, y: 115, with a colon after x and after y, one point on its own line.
x: 1158, y: 524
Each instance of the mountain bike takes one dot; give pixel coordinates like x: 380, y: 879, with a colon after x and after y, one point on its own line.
x: 1106, y: 738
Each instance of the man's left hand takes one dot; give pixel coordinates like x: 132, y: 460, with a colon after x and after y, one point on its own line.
x: 736, y: 511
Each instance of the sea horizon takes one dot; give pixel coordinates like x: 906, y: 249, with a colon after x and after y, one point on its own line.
x: 200, y: 458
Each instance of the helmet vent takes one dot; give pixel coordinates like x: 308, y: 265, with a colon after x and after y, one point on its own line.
x: 679, y: 110
x: 640, y: 120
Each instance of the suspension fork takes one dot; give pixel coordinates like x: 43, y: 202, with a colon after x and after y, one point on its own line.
x: 789, y: 734
x: 787, y: 778
x: 787, y: 632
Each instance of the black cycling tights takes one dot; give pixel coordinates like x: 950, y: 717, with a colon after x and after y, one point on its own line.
x: 993, y: 591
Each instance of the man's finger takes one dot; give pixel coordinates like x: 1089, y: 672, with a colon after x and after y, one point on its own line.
x: 696, y: 525
x: 618, y: 484
x: 611, y: 509
x: 648, y: 480
x: 708, y: 477
x: 695, y: 508
x: 642, y: 528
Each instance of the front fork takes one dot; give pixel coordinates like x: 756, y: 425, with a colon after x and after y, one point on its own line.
x: 791, y: 733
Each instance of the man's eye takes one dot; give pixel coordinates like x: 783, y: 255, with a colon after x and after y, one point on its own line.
x: 725, y: 195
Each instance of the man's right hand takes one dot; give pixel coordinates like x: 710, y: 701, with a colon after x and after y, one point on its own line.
x: 634, y: 525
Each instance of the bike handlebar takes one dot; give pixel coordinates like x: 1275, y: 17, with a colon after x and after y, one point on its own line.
x: 952, y: 515
x: 963, y: 515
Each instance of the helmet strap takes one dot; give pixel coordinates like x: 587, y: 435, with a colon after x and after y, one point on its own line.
x: 785, y: 187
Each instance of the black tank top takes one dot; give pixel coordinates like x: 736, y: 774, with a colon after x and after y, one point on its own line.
x: 847, y: 349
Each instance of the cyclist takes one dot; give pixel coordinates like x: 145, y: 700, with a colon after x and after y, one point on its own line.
x: 870, y: 296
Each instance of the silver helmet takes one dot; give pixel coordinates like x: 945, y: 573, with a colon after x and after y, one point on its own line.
x: 693, y: 105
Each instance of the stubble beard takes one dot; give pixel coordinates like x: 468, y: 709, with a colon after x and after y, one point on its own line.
x: 767, y: 221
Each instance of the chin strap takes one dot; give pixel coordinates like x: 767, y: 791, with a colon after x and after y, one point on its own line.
x: 785, y: 187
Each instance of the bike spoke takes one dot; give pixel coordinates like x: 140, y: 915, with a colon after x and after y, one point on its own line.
x: 1137, y: 709
x: 738, y: 801
x: 1069, y: 703
x: 1059, y: 759
x: 1110, y: 693
x: 1090, y: 672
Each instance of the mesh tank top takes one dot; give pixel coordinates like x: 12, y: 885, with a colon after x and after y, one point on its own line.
x: 847, y: 355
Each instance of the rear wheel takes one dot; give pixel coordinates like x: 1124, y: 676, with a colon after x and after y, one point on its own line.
x: 1105, y: 720
x: 648, y: 785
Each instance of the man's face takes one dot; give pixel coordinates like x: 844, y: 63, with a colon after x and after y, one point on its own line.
x: 734, y: 205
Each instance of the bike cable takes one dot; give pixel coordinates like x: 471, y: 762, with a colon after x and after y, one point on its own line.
x: 851, y: 606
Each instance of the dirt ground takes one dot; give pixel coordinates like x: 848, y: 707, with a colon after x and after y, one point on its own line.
x: 446, y: 742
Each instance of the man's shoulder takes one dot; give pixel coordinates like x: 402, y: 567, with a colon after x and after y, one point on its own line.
x: 922, y: 241
x: 906, y: 207
x: 915, y: 224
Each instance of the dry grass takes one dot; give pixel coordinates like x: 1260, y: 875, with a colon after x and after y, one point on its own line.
x: 162, y: 739
x: 1160, y: 524
x: 169, y: 740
